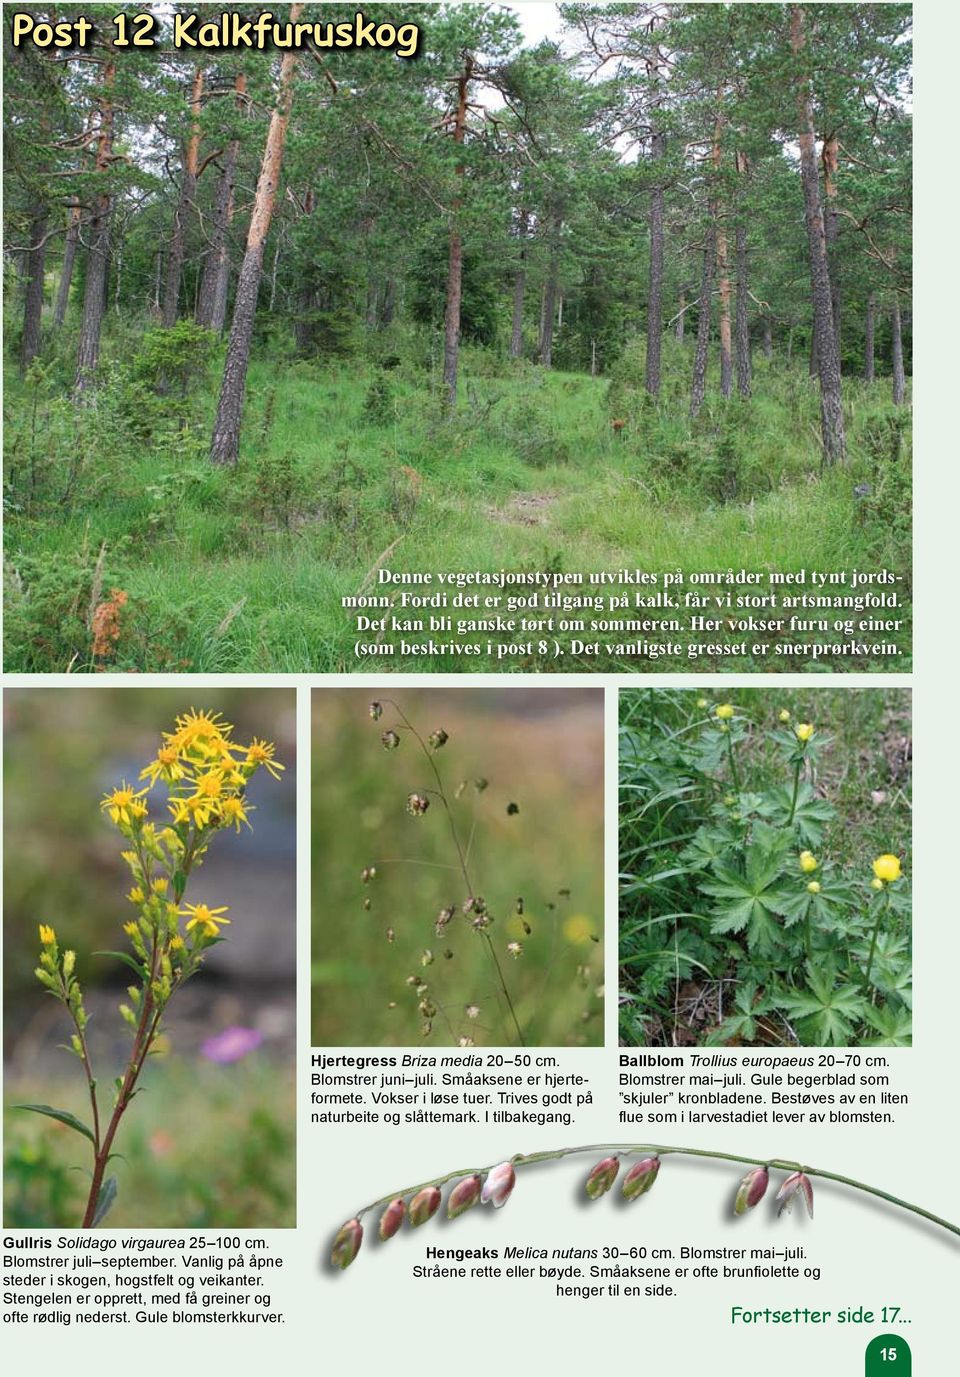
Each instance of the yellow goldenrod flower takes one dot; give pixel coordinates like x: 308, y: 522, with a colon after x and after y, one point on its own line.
x: 176, y: 943
x: 804, y: 731
x: 47, y: 935
x: 120, y: 804
x: 784, y: 715
x: 195, y: 810
x: 136, y: 895
x: 208, y: 919
x: 813, y: 887
x: 160, y: 884
x: 131, y: 929
x: 808, y: 862
x: 724, y: 711
x: 887, y: 868
x: 261, y: 753
x: 233, y: 810
x: 166, y: 766
x: 210, y: 785
x: 194, y: 727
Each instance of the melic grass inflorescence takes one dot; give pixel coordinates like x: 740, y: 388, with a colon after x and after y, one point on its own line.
x: 206, y: 774
x: 493, y: 1185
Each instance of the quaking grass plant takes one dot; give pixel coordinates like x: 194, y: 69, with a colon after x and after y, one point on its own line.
x: 493, y: 1185
x: 735, y: 929
x: 472, y: 942
x: 206, y: 774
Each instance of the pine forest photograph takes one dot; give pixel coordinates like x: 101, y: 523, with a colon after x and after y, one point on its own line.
x: 565, y: 288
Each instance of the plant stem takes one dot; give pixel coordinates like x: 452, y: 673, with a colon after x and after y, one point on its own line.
x: 883, y: 904
x: 441, y: 794
x: 796, y: 791
x: 660, y: 1150
x: 733, y: 764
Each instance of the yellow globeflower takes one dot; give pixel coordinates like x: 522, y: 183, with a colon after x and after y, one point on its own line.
x: 808, y: 862
x: 47, y: 935
x: 208, y: 919
x: 887, y: 868
x: 123, y: 804
x: 804, y: 731
x: 724, y: 711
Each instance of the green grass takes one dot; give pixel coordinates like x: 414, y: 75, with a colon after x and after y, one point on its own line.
x: 245, y: 569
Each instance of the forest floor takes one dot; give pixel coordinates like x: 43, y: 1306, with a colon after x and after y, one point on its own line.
x: 347, y: 464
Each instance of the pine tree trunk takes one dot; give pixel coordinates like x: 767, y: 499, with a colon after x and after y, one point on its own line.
x: 94, y: 294
x: 545, y: 353
x: 767, y: 338
x: 66, y: 270
x: 830, y: 157
x: 828, y: 357
x: 726, y: 350
x: 451, y: 315
x: 744, y: 368
x: 899, y: 381
x: 212, y: 302
x: 868, y: 339
x: 519, y: 288
x: 653, y: 370
x: 699, y: 388
x: 185, y: 207
x: 33, y: 296
x: 225, y: 443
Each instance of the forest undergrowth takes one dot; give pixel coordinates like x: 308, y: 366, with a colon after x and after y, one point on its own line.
x: 127, y: 550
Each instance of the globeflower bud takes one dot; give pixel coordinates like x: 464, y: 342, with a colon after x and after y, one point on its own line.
x: 498, y: 1185
x: 795, y: 1184
x: 392, y: 1217
x: 887, y: 868
x: 804, y: 731
x: 602, y: 1177
x: 876, y: 884
x: 464, y: 1195
x: 346, y: 1245
x: 640, y: 1178
x: 724, y: 711
x: 701, y: 702
x: 808, y: 862
x: 783, y: 715
x: 424, y: 1205
x: 751, y: 1190
x: 813, y: 887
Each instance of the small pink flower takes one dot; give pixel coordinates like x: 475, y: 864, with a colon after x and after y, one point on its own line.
x: 602, y: 1177
x: 751, y: 1190
x: 424, y: 1205
x: 392, y: 1217
x: 463, y: 1197
x: 498, y: 1185
x: 640, y: 1178
x: 346, y: 1245
x: 796, y: 1184
x: 233, y: 1044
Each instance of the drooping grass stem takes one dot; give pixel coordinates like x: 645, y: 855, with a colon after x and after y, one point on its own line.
x: 661, y: 1150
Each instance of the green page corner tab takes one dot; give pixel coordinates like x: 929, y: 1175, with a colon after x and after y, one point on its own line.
x: 888, y: 1354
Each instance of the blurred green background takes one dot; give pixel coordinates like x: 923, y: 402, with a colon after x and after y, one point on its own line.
x: 207, y: 1142
x: 538, y: 748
